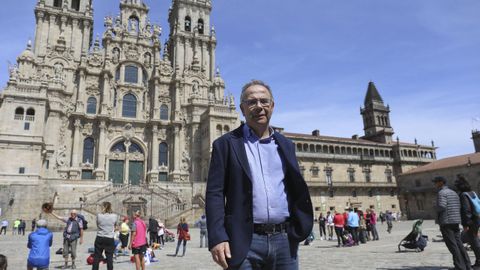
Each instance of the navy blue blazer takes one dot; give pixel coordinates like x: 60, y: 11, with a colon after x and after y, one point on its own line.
x: 229, y: 196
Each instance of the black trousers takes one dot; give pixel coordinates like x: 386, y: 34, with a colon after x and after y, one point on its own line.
x: 103, y: 244
x: 354, y: 232
x: 339, y: 233
x: 472, y: 236
x: 4, y: 229
x: 451, y: 236
x: 153, y: 237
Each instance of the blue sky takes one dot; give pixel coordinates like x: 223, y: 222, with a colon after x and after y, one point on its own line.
x: 318, y: 56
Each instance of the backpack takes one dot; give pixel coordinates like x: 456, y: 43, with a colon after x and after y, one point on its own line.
x: 475, y: 202
x: 84, y: 221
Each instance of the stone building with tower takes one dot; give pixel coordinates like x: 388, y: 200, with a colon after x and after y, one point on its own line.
x: 361, y: 171
x: 417, y: 193
x: 124, y: 118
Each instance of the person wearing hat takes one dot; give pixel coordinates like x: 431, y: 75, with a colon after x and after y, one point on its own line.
x: 39, y: 243
x: 448, y: 217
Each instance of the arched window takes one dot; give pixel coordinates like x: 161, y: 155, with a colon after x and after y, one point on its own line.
x: 119, y: 147
x: 91, y: 105
x: 164, y: 112
x: 76, y: 5
x: 219, y: 130
x: 188, y: 24
x: 226, y: 129
x: 19, y: 112
x: 129, y: 106
x: 88, y: 149
x: 163, y: 154
x: 131, y: 74
x: 57, y: 3
x: 134, y: 148
x: 200, y: 26
x: 30, y: 114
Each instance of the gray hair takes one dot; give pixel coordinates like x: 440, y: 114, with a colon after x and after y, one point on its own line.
x: 42, y: 223
x: 252, y: 83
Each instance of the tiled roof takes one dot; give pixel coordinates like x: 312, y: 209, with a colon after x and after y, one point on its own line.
x: 449, y: 162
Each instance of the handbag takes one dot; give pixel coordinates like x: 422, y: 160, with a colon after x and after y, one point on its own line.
x: 186, y: 236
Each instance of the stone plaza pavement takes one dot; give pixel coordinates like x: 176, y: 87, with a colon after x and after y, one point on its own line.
x: 320, y: 255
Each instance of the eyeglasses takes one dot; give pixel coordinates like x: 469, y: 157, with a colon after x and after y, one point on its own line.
x: 264, y: 102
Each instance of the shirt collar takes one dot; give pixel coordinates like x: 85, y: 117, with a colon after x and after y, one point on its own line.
x: 252, y: 137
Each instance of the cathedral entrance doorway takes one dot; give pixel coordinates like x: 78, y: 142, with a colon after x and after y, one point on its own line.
x: 126, y: 163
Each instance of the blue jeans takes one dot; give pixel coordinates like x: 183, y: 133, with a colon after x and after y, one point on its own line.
x: 269, y: 252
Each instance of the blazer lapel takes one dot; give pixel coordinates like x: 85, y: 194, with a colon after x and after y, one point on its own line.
x: 287, y: 155
x: 239, y: 149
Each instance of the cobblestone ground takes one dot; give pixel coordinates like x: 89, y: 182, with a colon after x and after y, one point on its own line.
x: 381, y: 254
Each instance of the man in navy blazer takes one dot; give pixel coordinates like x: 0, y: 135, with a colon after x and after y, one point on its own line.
x: 257, y: 203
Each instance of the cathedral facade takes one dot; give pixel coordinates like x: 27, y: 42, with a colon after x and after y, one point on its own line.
x: 127, y: 119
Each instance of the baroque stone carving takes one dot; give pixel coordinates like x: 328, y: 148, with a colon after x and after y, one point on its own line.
x: 61, y: 156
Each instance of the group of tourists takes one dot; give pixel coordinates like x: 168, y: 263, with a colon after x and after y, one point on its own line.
x: 111, y: 233
x: 351, y: 227
x: 454, y: 209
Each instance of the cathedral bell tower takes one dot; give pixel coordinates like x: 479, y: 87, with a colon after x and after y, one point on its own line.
x: 63, y: 25
x: 192, y: 42
x: 376, y: 117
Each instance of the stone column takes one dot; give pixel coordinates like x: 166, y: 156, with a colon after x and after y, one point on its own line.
x: 212, y: 60
x: 86, y: 36
x: 39, y: 33
x: 73, y: 39
x: 101, y: 169
x: 105, y: 94
x: 76, y: 151
x: 81, y: 92
x: 154, y: 155
x: 63, y: 30
x: 176, y: 151
x: 51, y: 32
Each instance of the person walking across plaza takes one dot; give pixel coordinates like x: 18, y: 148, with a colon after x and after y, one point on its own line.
x: 183, y: 236
x: 353, y: 222
x: 257, y: 203
x: 202, y: 224
x: 330, y: 225
x: 322, y: 223
x: 124, y: 233
x: 153, y: 231
x: 22, y: 227
x: 16, y: 224
x: 138, y: 241
x: 389, y: 218
x: 71, y: 234
x: 470, y: 219
x: 104, y: 241
x: 373, y: 224
x: 39, y: 243
x: 448, y: 217
x: 161, y: 234
x: 34, y: 224
x: 4, y: 227
x: 339, y: 223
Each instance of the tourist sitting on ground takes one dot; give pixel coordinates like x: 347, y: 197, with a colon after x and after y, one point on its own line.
x: 39, y: 243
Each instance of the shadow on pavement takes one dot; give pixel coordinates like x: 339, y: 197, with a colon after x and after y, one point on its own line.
x: 416, y: 268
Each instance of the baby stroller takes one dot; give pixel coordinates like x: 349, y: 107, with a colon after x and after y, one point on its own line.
x: 169, y: 236
x: 415, y: 239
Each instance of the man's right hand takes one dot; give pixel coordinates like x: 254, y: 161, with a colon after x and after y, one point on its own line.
x: 220, y: 253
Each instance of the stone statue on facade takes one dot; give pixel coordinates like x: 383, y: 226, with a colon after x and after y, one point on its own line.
x: 185, y: 161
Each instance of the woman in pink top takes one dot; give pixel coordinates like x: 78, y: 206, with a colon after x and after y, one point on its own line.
x: 138, y: 241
